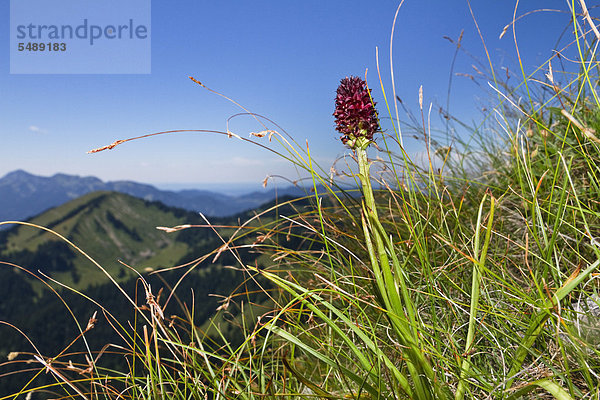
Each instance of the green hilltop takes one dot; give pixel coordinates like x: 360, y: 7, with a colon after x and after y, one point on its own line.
x: 111, y: 227
x: 108, y: 227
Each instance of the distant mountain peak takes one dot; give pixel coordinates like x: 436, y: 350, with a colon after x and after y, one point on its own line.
x: 19, y: 173
x: 88, y: 180
x: 63, y: 175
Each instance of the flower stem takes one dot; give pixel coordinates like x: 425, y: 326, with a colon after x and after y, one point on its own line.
x: 390, y: 286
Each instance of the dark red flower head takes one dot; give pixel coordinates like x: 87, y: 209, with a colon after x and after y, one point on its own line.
x: 355, y: 114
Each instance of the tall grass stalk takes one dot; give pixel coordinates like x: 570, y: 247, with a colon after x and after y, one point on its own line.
x: 475, y: 291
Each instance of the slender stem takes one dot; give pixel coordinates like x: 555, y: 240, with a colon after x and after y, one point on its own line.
x: 475, y: 292
x: 379, y: 245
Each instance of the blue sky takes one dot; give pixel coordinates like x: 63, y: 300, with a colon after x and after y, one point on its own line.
x: 277, y: 58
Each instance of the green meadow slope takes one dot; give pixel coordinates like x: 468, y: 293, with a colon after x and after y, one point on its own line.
x: 111, y: 227
x: 108, y: 227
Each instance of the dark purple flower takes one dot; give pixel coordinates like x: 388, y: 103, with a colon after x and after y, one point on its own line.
x: 355, y: 114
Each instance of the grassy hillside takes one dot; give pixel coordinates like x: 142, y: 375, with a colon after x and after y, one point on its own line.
x: 108, y: 226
